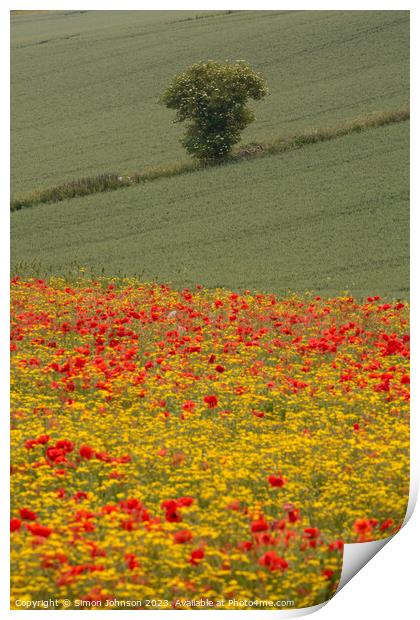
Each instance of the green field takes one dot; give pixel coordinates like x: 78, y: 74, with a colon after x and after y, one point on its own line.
x: 329, y: 217
x: 85, y: 84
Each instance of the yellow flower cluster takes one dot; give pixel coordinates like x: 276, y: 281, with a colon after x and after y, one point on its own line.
x: 173, y: 446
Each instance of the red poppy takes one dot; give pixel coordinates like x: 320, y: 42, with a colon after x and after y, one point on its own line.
x: 276, y: 481
x: 84, y: 514
x: 30, y: 443
x: 293, y: 515
x: 43, y: 439
x: 128, y: 524
x: 53, y: 453
x: 336, y: 545
x: 264, y: 538
x: 86, y: 452
x: 51, y: 561
x: 79, y: 495
x: 211, y: 401
x: 15, y: 524
x: 103, y: 456
x: 260, y: 525
x: 130, y: 504
x: 94, y: 550
x: 65, y: 444
x: 109, y: 508
x: 185, y: 501
x: 362, y: 526
x: 115, y: 475
x: 196, y: 556
x: 27, y: 514
x: 169, y: 504
x: 131, y: 561
x: 328, y: 573
x: 172, y: 515
x: 182, y: 536
x: 279, y: 525
x: 245, y: 546
x: 272, y: 561
x: 39, y: 530
x: 386, y: 524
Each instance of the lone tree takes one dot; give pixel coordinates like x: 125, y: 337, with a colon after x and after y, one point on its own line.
x: 213, y: 97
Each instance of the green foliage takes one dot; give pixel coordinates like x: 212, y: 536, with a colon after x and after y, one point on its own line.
x: 213, y: 97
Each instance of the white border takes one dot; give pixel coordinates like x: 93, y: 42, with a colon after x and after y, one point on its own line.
x: 387, y: 585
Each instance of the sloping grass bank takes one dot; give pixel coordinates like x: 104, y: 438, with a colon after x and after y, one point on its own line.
x: 328, y: 218
x: 111, y: 181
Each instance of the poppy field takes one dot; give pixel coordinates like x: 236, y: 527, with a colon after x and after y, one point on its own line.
x: 175, y: 445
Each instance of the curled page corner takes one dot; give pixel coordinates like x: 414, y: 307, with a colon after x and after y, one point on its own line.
x: 357, y: 555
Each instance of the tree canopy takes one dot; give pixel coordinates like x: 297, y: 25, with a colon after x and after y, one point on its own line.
x: 213, y: 97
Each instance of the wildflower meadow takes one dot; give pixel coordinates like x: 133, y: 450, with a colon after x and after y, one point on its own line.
x: 173, y: 445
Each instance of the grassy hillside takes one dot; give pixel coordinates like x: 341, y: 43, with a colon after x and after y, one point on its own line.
x: 85, y: 83
x: 329, y: 217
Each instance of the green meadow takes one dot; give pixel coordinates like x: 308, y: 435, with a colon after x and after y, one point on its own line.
x: 329, y: 217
